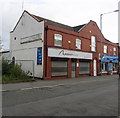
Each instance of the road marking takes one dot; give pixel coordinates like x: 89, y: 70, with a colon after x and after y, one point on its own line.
x: 26, y: 89
x: 52, y: 86
x: 36, y: 87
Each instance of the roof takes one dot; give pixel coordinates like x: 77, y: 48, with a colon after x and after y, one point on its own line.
x: 77, y: 28
x: 5, y: 51
x: 50, y: 22
x: 56, y: 24
x: 60, y: 25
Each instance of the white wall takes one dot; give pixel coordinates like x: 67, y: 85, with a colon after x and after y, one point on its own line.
x: 26, y: 27
x: 6, y: 55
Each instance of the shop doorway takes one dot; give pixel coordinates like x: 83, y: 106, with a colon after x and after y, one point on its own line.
x: 73, y: 68
x: 110, y: 68
x: 95, y: 68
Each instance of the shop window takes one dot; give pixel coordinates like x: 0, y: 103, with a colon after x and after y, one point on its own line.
x: 105, y: 49
x: 59, y: 67
x: 39, y: 56
x: 57, y: 40
x: 78, y: 44
x: 104, y: 67
x: 114, y: 51
x: 115, y: 66
x: 84, y: 68
x: 93, y: 43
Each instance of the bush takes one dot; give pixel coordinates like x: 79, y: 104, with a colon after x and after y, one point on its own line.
x: 11, y: 72
x: 6, y: 66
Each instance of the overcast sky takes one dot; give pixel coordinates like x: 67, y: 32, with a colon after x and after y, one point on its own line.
x: 69, y: 12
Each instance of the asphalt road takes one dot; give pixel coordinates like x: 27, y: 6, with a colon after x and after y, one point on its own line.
x: 89, y: 98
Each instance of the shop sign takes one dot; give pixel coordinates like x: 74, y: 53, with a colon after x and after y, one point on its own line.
x: 53, y: 52
x: 110, y: 58
x: 39, y: 56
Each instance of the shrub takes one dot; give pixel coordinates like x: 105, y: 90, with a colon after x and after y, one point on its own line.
x: 12, y: 71
x: 6, y: 66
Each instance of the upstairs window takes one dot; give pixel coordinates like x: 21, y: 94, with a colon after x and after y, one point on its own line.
x: 114, y: 51
x: 57, y: 40
x: 78, y: 44
x: 105, y: 49
x: 93, y: 43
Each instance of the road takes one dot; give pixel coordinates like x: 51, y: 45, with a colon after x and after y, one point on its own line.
x: 86, y: 98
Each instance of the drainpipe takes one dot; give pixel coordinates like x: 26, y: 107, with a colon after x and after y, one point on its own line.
x: 46, y: 49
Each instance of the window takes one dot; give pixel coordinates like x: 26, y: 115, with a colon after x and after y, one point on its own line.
x: 105, y: 49
x: 14, y: 38
x: 57, y: 40
x: 115, y: 66
x: 59, y: 67
x: 78, y: 44
x: 104, y: 67
x: 114, y: 51
x: 84, y: 67
x: 93, y: 43
x: 13, y: 60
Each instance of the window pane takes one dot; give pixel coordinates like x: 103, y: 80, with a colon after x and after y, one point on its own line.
x: 58, y: 43
x: 58, y: 36
x: 93, y: 43
x: 57, y: 40
x: 105, y: 49
x: 114, y: 49
x: 104, y: 67
x: 78, y: 44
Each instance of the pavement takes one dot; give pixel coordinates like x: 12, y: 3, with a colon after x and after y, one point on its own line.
x: 41, y: 84
x: 87, y: 96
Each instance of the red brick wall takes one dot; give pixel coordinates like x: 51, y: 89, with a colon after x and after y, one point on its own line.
x: 92, y: 26
x: 85, y: 35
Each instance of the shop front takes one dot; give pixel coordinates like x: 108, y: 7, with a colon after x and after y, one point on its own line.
x: 69, y: 64
x: 84, y: 67
x: 109, y: 64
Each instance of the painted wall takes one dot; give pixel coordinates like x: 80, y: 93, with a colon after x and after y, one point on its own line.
x: 26, y: 27
x: 5, y: 55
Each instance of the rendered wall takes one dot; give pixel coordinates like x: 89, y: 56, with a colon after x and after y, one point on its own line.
x: 26, y: 27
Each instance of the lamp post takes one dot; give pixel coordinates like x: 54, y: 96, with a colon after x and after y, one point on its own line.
x: 101, y: 36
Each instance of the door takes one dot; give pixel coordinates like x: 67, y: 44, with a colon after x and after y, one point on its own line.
x: 94, y: 68
x: 73, y: 68
x: 110, y: 67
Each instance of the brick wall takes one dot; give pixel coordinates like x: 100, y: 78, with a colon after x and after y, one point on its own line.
x: 91, y: 29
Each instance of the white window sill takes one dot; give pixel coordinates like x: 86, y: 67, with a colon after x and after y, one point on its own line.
x: 104, y: 72
x: 114, y: 71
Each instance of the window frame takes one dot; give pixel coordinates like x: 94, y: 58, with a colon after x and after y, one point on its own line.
x: 93, y: 44
x: 105, y: 49
x: 78, y: 45
x: 57, y: 39
x: 114, y: 51
x: 104, y: 67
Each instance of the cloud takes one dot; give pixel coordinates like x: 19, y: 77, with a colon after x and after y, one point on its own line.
x: 69, y: 12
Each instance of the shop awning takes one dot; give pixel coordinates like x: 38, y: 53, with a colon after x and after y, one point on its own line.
x: 110, y: 58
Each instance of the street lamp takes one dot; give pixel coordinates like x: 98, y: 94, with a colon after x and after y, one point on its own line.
x: 101, y: 36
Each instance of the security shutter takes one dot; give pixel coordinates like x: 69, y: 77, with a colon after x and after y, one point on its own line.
x: 59, y: 67
x: 84, y: 68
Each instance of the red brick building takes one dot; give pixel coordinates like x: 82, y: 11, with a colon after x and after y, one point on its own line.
x: 76, y: 51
